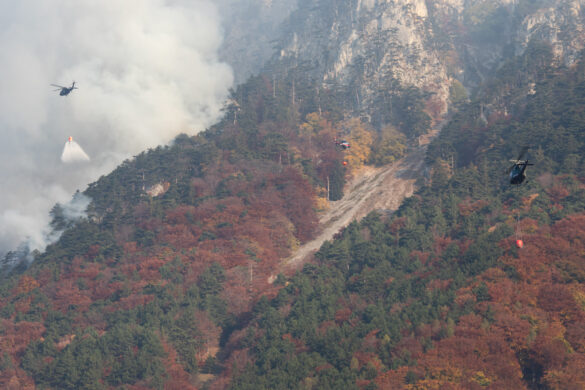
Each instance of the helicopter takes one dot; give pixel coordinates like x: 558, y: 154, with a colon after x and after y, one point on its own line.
x: 343, y: 143
x: 64, y: 90
x: 517, y: 172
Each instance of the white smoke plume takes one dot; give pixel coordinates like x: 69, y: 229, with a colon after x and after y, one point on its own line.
x: 64, y: 215
x: 146, y: 70
x: 75, y: 209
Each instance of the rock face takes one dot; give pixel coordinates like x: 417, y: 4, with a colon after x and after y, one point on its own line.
x: 558, y: 22
x: 368, y: 46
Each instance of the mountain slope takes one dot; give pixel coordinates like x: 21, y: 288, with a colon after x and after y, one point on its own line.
x: 438, y: 295
x: 177, y: 245
x: 166, y: 283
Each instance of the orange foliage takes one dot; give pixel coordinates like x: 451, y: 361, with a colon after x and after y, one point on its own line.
x: 464, y: 295
x: 527, y: 201
x: 26, y: 284
x: 392, y: 379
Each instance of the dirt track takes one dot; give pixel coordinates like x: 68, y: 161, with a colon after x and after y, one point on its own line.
x: 381, y: 189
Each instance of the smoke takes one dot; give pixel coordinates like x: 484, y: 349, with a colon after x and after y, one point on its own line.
x: 76, y: 208
x: 65, y: 215
x: 146, y: 70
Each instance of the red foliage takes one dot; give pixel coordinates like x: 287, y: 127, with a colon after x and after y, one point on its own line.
x: 80, y: 268
x: 263, y: 211
x: 439, y: 284
x: 15, y: 379
x: 134, y: 300
x: 440, y: 244
x: 421, y: 256
x: 324, y: 326
x: 392, y: 379
x: 236, y: 294
x: 557, y: 192
x: 298, y: 196
x: 365, y: 358
x: 537, y: 319
x: 67, y: 293
x: 468, y: 207
x: 342, y: 315
x: 178, y: 378
x: 471, y: 356
x: 149, y: 268
x: 16, y: 336
x: 238, y: 361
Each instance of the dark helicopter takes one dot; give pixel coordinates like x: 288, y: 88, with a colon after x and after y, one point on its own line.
x: 343, y: 143
x: 64, y: 90
x: 517, y: 172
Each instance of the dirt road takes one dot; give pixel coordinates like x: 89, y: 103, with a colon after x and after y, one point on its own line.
x: 371, y: 189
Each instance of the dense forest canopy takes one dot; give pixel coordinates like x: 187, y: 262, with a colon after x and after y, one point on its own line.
x: 438, y: 295
x: 165, y: 283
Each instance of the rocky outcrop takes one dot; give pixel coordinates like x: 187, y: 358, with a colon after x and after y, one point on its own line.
x: 369, y: 46
x: 558, y: 22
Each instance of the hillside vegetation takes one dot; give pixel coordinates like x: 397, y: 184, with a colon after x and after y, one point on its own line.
x: 438, y: 295
x: 178, y: 244
x: 165, y: 283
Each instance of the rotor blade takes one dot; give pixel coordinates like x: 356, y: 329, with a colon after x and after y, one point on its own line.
x: 55, y: 85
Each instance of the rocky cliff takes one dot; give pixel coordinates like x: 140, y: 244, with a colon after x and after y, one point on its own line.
x: 370, y: 47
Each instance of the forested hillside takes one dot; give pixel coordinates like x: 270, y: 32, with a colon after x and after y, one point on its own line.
x: 178, y: 244
x: 438, y: 295
x: 165, y: 283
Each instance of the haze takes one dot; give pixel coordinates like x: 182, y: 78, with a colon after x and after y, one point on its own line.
x: 147, y: 70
